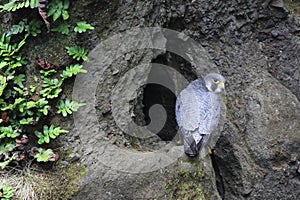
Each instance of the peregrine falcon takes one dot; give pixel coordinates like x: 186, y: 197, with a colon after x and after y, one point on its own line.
x: 198, y: 111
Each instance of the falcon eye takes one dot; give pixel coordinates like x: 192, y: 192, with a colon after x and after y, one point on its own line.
x: 216, y: 81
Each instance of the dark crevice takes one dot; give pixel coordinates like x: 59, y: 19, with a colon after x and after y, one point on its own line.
x: 219, y: 179
x: 152, y: 94
x: 158, y: 94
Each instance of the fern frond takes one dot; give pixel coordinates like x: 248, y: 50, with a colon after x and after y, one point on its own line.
x: 77, y: 53
x: 72, y: 70
x: 68, y: 107
x: 15, y: 5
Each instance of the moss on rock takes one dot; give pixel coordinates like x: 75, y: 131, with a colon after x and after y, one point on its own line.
x: 63, y: 182
x: 187, y: 183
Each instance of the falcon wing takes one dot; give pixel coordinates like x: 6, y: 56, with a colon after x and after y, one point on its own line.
x: 187, y: 113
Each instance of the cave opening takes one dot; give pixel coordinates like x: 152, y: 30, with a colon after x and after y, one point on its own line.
x: 154, y: 94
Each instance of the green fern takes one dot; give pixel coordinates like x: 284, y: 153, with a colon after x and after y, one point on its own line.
x: 82, y: 26
x: 62, y: 28
x: 9, y: 54
x: 57, y: 8
x: 14, y: 5
x: 72, y: 70
x: 3, y: 84
x: 33, y: 27
x: 68, y: 107
x: 7, y: 161
x: 6, y: 192
x: 17, y: 28
x: 77, y: 53
x: 18, y: 80
x: 51, y: 88
x: 49, y: 133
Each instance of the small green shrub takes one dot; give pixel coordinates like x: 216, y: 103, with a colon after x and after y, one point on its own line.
x: 51, y: 88
x: 72, y: 70
x: 63, y: 28
x: 14, y: 5
x: 49, y: 133
x: 23, y: 105
x: 68, y: 107
x: 57, y: 8
x: 77, y: 53
x: 44, y: 155
x: 82, y: 26
x: 6, y: 192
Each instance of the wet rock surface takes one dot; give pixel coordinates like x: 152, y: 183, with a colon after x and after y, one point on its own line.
x: 256, y: 47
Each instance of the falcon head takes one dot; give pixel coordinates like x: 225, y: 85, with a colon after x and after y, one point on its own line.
x: 214, y: 82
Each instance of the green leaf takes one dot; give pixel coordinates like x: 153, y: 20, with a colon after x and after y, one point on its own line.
x: 66, y: 4
x: 5, y: 163
x: 44, y: 155
x: 34, y: 3
x: 49, y: 132
x: 8, y: 132
x: 27, y: 121
x: 3, y: 84
x: 21, y: 92
x: 56, y: 15
x: 72, y: 70
x: 68, y: 107
x: 62, y: 28
x: 51, y: 88
x: 48, y: 72
x: 77, y: 53
x: 19, y: 80
x: 82, y: 26
x: 32, y: 88
x: 65, y: 14
x: 14, y: 5
x: 57, y: 8
x: 35, y: 78
x: 7, y: 192
x: 34, y: 27
x: 17, y: 28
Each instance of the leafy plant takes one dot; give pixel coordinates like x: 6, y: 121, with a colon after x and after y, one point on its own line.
x: 77, y: 53
x: 10, y: 58
x: 57, y: 8
x: 8, y: 132
x: 49, y: 132
x: 5, y: 149
x: 34, y: 27
x: 6, y: 192
x: 3, y: 84
x: 48, y: 72
x: 17, y: 28
x: 19, y: 79
x: 51, y: 88
x: 82, y: 26
x: 15, y: 5
x: 68, y: 107
x: 6, y: 162
x: 44, y: 155
x: 72, y: 70
x: 62, y: 28
x: 23, y: 104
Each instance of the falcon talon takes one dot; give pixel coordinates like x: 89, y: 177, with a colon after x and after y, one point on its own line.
x: 198, y: 111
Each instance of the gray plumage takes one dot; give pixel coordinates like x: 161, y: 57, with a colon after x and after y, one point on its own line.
x: 198, y: 111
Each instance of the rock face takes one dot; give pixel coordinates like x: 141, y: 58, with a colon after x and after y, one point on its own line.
x: 255, y: 46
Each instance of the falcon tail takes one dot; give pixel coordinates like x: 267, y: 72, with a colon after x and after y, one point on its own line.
x: 190, y: 147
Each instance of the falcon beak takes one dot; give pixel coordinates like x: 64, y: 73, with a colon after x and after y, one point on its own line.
x: 221, y: 86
